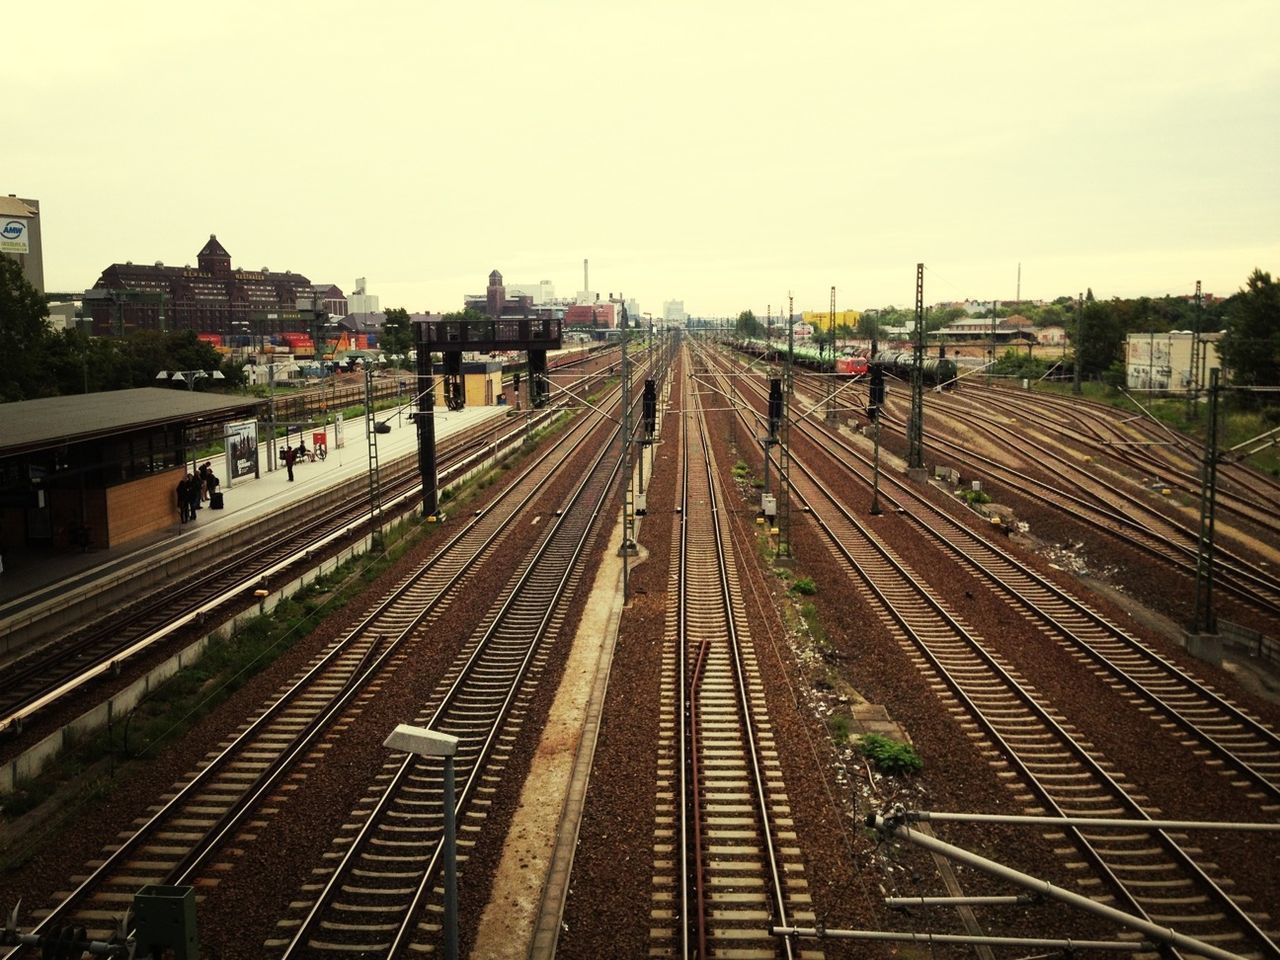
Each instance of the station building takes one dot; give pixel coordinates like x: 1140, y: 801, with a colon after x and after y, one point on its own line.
x: 83, y: 473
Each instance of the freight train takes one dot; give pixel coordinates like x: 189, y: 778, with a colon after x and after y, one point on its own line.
x: 937, y: 370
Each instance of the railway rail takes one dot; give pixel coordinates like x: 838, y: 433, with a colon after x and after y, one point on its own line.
x: 1120, y: 445
x: 1249, y: 748
x: 1153, y: 874
x: 735, y: 862
x: 1111, y: 513
x: 1182, y: 454
x: 66, y: 665
x: 184, y: 834
x: 381, y: 897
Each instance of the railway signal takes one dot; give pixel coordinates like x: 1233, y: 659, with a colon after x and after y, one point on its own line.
x: 875, y: 398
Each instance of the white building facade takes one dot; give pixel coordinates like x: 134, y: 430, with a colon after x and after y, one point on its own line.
x: 1162, y: 361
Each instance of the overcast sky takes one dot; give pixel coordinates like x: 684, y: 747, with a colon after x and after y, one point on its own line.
x: 721, y: 153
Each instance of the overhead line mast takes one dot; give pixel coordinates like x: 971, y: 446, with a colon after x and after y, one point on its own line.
x: 915, y: 429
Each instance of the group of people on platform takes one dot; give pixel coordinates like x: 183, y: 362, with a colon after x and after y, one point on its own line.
x: 194, y: 489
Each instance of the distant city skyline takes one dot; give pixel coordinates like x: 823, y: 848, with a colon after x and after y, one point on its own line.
x: 723, y: 154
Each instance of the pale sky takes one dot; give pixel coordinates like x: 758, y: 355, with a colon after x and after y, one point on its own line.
x: 720, y: 153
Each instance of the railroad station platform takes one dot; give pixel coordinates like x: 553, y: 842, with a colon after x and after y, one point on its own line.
x: 34, y: 584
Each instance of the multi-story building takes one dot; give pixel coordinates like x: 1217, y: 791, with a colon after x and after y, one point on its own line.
x: 330, y: 298
x: 601, y: 316
x: 20, y: 237
x: 673, y: 311
x: 1162, y: 361
x: 212, y: 298
x: 498, y: 302
x: 541, y: 293
x: 361, y: 301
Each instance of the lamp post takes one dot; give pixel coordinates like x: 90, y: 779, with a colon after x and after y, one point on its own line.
x: 190, y: 376
x: 428, y: 743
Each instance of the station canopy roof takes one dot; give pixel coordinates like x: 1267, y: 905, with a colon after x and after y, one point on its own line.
x: 30, y: 425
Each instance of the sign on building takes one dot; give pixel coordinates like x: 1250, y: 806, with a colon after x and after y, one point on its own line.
x: 13, y: 235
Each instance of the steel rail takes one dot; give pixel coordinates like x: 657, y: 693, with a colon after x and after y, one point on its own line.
x: 744, y: 703
x: 245, y: 571
x: 472, y: 757
x: 1081, y: 756
x: 962, y: 543
x: 355, y: 681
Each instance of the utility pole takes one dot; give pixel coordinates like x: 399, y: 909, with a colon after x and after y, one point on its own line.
x: 1193, y: 380
x: 831, y: 378
x: 628, y: 492
x: 1075, y: 373
x: 915, y: 430
x: 991, y: 345
x: 375, y: 476
x: 784, y: 441
x: 1205, y: 621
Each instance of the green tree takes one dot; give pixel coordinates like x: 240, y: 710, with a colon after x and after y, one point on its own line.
x: 1102, y: 335
x: 747, y: 325
x: 397, y: 333
x: 24, y: 336
x: 469, y: 315
x: 1250, y: 346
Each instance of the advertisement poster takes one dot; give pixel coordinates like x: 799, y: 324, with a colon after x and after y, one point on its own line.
x: 337, y: 431
x: 242, y: 450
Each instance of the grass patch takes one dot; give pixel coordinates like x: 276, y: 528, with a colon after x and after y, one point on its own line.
x: 890, y: 756
x: 974, y: 497
x: 740, y: 470
x: 804, y: 586
x: 838, y: 724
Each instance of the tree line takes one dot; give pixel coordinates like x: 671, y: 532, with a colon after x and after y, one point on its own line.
x: 1249, y: 321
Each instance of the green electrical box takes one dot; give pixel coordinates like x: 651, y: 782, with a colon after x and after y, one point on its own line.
x: 164, y: 918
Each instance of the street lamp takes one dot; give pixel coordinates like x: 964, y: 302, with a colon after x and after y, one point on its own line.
x: 190, y: 376
x: 428, y: 743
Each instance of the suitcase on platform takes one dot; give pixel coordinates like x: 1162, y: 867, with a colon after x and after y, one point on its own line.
x: 215, y: 500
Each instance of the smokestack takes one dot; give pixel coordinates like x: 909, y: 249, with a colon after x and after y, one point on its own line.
x: 585, y: 284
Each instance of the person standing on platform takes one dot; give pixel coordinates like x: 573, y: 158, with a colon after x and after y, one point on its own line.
x: 211, y: 481
x: 205, y: 471
x: 184, y: 499
x: 290, y: 457
x: 193, y: 495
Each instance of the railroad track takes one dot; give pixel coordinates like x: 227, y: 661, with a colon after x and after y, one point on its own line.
x: 1117, y: 444
x: 1100, y: 420
x: 1150, y: 874
x: 381, y: 899
x: 1109, y: 513
x: 57, y: 669
x: 180, y: 838
x: 1248, y: 749
x: 732, y: 868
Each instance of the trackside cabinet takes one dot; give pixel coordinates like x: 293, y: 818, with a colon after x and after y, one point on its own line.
x: 165, y: 919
